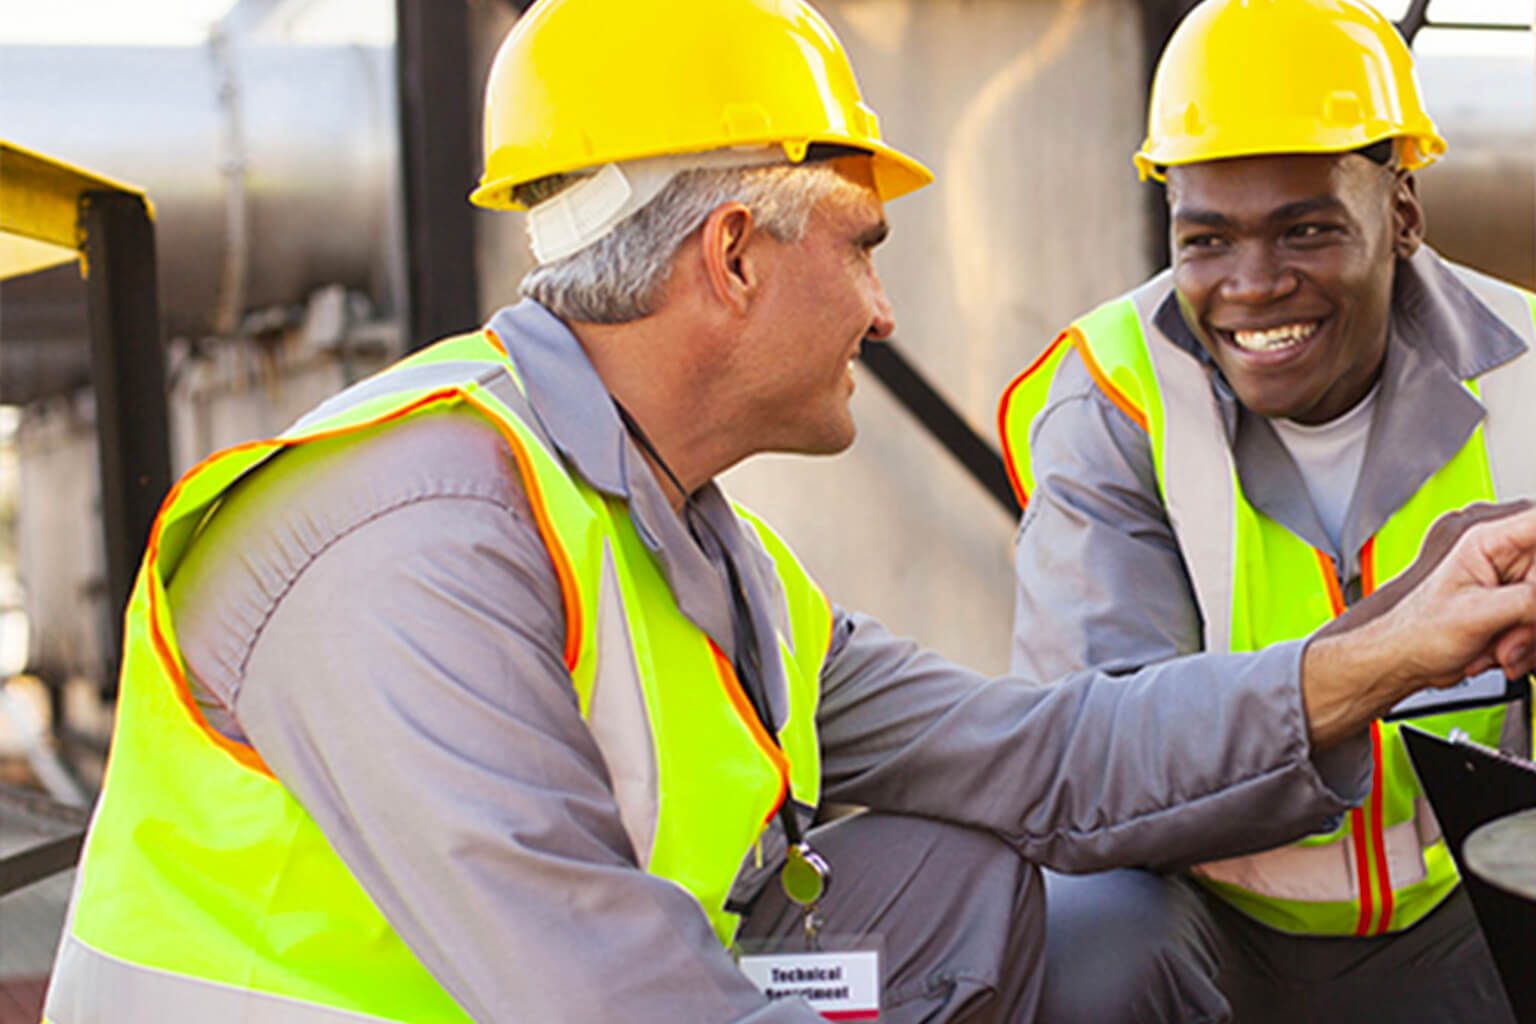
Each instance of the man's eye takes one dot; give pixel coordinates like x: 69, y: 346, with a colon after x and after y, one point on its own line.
x: 1200, y: 241
x: 1308, y: 231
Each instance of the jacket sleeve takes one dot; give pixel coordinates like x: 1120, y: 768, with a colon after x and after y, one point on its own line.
x: 1099, y: 578
x: 391, y: 632
x: 1191, y: 759
x: 1151, y: 757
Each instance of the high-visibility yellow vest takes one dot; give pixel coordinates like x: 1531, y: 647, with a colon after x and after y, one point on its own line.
x: 1257, y: 583
x: 206, y: 893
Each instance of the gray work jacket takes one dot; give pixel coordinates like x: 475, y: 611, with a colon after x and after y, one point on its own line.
x: 377, y: 615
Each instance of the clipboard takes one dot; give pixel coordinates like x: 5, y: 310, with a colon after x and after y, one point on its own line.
x: 1469, y: 785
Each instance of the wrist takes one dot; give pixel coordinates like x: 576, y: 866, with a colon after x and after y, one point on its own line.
x: 1350, y: 678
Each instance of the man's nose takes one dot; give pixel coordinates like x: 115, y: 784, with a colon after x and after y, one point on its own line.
x: 884, y: 323
x: 1257, y: 275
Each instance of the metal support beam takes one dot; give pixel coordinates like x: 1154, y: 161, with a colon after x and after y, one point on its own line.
x: 1158, y: 20
x: 941, y: 420
x: 128, y: 374
x: 1414, y: 19
x: 38, y: 837
x: 437, y: 167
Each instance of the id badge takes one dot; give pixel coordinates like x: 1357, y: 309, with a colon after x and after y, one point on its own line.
x: 841, y: 980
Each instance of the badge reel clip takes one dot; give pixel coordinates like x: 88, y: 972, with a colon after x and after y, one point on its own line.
x: 805, y: 878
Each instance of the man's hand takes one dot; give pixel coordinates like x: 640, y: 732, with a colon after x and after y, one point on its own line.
x: 1467, y: 604
x: 1442, y: 537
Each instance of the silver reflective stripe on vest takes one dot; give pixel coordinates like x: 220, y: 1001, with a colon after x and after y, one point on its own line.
x: 1199, y: 487
x: 92, y: 987
x: 616, y: 714
x: 1508, y: 393
x: 618, y: 718
x: 1198, y: 474
x: 1320, y: 874
x: 426, y: 375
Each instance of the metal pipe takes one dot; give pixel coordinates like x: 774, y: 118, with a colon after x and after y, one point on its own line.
x: 272, y: 168
x: 230, y: 303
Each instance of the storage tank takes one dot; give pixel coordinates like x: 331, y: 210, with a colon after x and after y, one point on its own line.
x: 273, y: 170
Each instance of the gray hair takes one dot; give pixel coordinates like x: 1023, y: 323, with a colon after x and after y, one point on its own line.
x: 620, y: 277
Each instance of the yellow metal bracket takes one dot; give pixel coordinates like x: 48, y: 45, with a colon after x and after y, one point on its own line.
x: 40, y: 209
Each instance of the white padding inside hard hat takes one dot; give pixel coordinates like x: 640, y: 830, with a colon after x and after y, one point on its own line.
x: 584, y: 213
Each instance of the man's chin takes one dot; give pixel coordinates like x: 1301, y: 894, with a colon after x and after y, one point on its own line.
x: 835, y: 440
x: 831, y: 447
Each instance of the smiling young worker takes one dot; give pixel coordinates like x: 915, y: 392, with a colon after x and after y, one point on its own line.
x: 452, y: 704
x: 1228, y: 456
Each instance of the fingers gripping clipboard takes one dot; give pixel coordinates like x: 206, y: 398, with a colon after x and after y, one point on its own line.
x: 1469, y: 785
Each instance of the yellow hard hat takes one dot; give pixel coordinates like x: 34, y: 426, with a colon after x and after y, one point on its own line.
x: 1250, y: 77
x: 583, y: 83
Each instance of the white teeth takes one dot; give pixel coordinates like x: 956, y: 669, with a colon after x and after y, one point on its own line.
x: 1273, y: 338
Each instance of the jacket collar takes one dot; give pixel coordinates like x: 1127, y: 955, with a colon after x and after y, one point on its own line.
x: 573, y: 408
x: 575, y: 413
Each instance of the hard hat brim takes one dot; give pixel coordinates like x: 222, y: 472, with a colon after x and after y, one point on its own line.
x: 1151, y: 160
x: 896, y: 174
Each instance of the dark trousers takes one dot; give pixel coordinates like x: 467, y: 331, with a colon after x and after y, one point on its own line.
x: 960, y: 914
x: 1134, y: 946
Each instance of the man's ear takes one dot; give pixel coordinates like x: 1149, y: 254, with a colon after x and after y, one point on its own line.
x: 725, y: 240
x: 1407, y: 216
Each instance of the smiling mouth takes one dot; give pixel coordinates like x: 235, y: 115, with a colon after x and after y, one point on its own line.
x: 1273, y: 339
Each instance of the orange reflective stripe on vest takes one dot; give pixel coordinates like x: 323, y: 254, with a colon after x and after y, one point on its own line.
x: 1256, y: 584
x: 206, y: 893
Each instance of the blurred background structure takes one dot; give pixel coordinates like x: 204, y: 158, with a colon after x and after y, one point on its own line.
x: 308, y: 161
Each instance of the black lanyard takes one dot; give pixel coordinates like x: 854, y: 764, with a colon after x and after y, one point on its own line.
x: 805, y: 874
x: 747, y: 661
